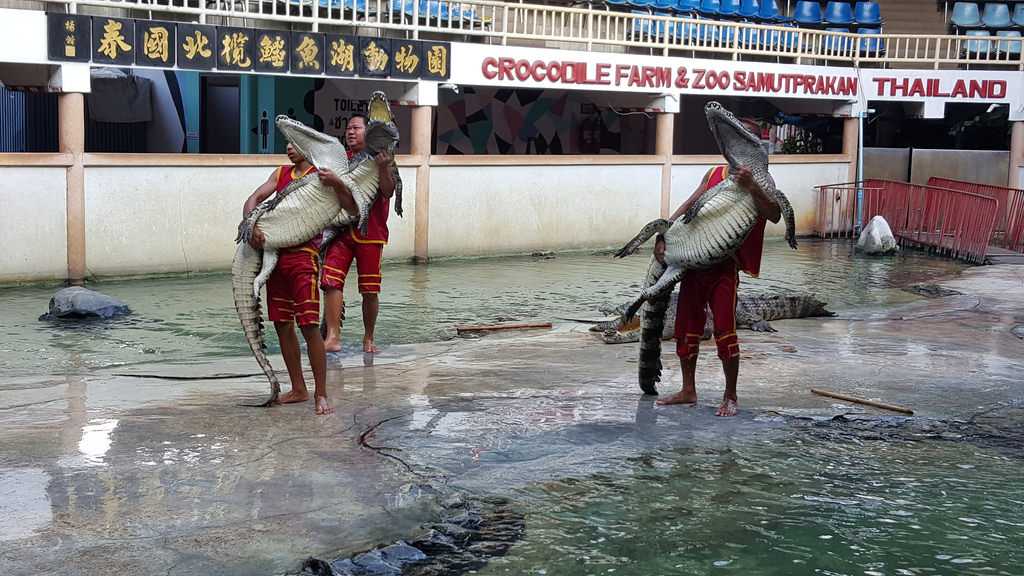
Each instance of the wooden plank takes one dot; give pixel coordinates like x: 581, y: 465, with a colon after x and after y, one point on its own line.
x: 864, y: 401
x: 499, y: 327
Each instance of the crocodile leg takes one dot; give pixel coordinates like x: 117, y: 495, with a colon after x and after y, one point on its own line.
x: 664, y: 285
x: 269, y: 263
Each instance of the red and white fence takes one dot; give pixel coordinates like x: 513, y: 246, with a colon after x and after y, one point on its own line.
x: 952, y: 222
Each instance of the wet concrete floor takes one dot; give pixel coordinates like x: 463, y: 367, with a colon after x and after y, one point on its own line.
x: 108, y: 473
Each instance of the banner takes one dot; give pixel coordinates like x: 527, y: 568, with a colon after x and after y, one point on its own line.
x: 126, y: 42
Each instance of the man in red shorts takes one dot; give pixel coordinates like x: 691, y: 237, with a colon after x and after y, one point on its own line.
x: 366, y: 250
x: 292, y: 294
x: 716, y: 287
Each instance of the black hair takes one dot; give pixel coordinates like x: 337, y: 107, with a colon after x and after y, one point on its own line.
x: 358, y: 115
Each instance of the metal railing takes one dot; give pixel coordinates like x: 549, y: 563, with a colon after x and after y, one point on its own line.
x: 595, y: 25
x: 951, y: 222
x: 1009, y: 226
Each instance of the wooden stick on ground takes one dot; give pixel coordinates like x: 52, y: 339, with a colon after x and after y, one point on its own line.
x: 499, y: 327
x: 866, y: 402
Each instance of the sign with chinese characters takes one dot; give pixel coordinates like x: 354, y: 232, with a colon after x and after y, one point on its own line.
x: 155, y: 43
x: 307, y: 53
x: 234, y: 48
x: 374, y: 56
x: 195, y: 45
x: 113, y: 40
x: 437, y: 56
x: 341, y: 55
x: 184, y: 45
x: 407, y: 58
x: 272, y: 51
x: 69, y: 37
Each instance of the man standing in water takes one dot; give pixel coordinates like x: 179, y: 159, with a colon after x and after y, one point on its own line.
x: 366, y: 250
x: 292, y: 295
x: 716, y: 287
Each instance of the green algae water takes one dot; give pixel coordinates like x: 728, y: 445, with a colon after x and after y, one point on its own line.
x: 766, y: 504
x: 183, y: 319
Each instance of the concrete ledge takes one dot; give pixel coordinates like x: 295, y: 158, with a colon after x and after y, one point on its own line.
x: 35, y: 159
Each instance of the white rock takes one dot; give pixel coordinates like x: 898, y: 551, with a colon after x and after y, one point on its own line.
x: 877, y: 238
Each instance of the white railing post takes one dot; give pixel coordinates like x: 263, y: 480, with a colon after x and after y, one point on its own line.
x: 504, y: 25
x: 415, y: 18
x: 590, y: 27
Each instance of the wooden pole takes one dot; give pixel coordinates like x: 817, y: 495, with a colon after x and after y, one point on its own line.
x: 498, y: 327
x: 864, y: 401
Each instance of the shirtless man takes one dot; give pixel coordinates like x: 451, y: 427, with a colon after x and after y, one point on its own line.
x: 716, y: 287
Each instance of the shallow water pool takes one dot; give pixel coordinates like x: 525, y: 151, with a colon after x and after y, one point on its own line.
x: 181, y: 319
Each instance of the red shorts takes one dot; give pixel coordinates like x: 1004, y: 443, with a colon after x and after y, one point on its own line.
x: 339, y: 258
x: 291, y: 290
x: 715, y: 286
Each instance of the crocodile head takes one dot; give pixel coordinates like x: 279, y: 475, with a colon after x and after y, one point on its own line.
x: 740, y: 146
x: 321, y: 150
x: 381, y: 132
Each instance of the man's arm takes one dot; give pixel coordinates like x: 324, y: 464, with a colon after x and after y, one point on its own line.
x: 254, y: 200
x: 767, y: 208
x: 385, y: 175
x: 344, y: 194
x: 261, y: 194
x: 693, y: 197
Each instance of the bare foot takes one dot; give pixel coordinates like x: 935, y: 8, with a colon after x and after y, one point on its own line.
x: 369, y: 347
x: 332, y: 345
x: 294, y: 396
x: 729, y: 407
x: 678, y: 398
x: 323, y: 406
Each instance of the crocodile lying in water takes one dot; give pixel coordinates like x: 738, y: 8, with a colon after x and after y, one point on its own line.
x: 753, y: 312
x: 303, y: 210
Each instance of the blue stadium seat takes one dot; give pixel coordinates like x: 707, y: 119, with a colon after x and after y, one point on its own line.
x: 996, y: 16
x: 966, y: 15
x: 868, y: 13
x: 751, y: 8
x: 1010, y: 47
x: 838, y: 13
x: 981, y: 44
x: 807, y: 12
x: 664, y: 6
x: 869, y: 44
x: 687, y: 6
x: 1018, y: 14
x: 710, y: 7
x: 617, y: 2
x: 770, y: 12
x: 729, y: 7
x: 648, y: 4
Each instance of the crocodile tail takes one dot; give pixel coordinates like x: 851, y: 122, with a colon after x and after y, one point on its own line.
x: 652, y: 323
x: 244, y: 268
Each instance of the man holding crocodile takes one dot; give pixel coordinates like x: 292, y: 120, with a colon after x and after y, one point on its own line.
x: 366, y: 249
x: 292, y: 294
x: 709, y: 248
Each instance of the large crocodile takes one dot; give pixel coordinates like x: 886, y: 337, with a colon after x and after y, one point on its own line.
x: 303, y: 210
x: 752, y: 311
x: 710, y: 232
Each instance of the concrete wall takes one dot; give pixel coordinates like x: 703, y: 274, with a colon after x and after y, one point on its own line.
x: 887, y: 163
x: 797, y: 181
x: 151, y: 219
x: 984, y: 166
x: 33, y: 227
x: 514, y: 209
x: 147, y: 214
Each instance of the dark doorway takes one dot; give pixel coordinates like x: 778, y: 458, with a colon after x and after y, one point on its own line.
x: 219, y: 100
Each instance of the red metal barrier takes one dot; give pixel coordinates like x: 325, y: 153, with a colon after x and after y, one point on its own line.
x: 1009, y: 228
x: 947, y: 221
